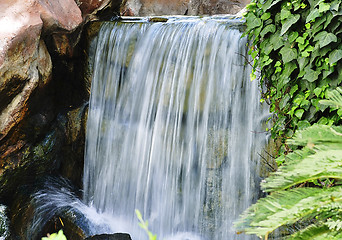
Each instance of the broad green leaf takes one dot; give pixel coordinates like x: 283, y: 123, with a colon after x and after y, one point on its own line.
x: 284, y: 14
x: 300, y: 40
x: 289, y: 68
x: 323, y: 7
x: 302, y: 62
x: 277, y: 41
x: 289, y: 22
x: 335, y: 56
x: 311, y: 75
x: 312, y: 15
x: 288, y: 54
x: 269, y: 28
x: 325, y: 38
x: 293, y: 36
x: 266, y: 16
x: 335, y: 5
x: 252, y: 21
x: 330, y: 17
x: 299, y: 113
x: 293, y: 90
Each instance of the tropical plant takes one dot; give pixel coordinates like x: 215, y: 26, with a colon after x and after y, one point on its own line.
x: 307, y: 190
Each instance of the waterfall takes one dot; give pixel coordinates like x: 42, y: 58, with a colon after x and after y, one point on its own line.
x: 174, y: 127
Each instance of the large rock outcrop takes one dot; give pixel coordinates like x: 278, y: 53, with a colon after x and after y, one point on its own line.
x: 25, y: 62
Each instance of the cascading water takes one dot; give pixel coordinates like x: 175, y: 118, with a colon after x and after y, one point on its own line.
x: 173, y: 128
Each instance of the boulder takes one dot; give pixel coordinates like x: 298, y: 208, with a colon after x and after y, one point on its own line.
x: 25, y: 62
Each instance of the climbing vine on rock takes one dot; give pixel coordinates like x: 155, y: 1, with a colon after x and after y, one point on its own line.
x: 296, y: 44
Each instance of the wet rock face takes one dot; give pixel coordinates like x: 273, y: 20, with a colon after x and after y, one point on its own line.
x: 182, y: 7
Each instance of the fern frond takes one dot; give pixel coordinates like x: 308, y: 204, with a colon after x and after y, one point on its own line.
x: 335, y: 98
x: 314, y: 232
x: 320, y: 158
x: 286, y: 207
x: 317, y: 134
x: 334, y: 224
x: 322, y: 164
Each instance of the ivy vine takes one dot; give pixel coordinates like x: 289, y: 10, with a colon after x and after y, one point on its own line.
x: 296, y: 44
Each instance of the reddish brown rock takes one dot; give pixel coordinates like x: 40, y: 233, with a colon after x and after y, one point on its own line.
x: 91, y: 6
x: 182, y: 7
x: 24, y: 60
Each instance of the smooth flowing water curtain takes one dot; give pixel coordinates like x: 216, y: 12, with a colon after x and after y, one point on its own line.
x: 174, y: 128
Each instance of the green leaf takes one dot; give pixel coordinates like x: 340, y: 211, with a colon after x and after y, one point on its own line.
x: 335, y: 5
x: 299, y: 113
x: 303, y: 124
x: 300, y: 40
x: 284, y: 14
x: 335, y: 56
x: 269, y: 28
x: 293, y: 90
x: 288, y: 54
x: 311, y: 75
x: 325, y: 38
x: 265, y: 16
x: 312, y: 15
x: 252, y: 21
x: 289, y: 22
x: 323, y: 7
x: 276, y: 41
x: 293, y: 36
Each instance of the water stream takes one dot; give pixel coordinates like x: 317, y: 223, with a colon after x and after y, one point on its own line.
x: 174, y: 128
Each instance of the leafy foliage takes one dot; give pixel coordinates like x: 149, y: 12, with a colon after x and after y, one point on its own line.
x: 297, y: 46
x: 306, y: 189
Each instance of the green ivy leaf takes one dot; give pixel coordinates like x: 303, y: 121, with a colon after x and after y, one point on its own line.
x: 252, y: 21
x: 323, y: 7
x: 335, y: 56
x: 289, y: 22
x: 293, y: 90
x: 300, y: 40
x: 312, y: 15
x: 269, y: 28
x: 325, y: 38
x: 299, y: 113
x: 293, y: 36
x: 317, y: 91
x: 288, y: 54
x: 277, y: 41
x: 311, y: 75
x: 284, y: 14
x: 335, y: 5
x: 265, y: 16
